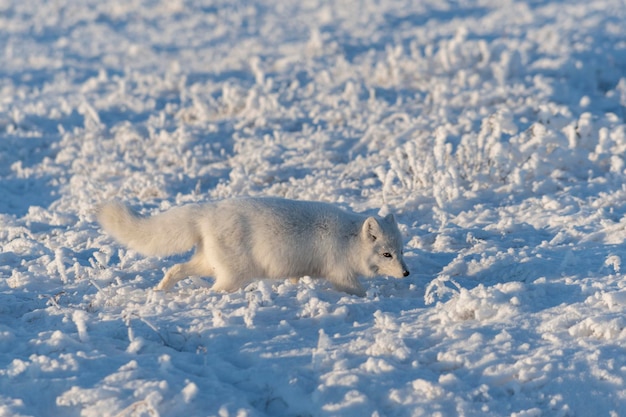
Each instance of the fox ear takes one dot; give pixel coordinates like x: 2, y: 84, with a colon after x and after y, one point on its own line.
x: 390, y: 218
x: 371, y: 229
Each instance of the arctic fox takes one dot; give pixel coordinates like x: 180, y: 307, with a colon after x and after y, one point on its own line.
x: 238, y: 240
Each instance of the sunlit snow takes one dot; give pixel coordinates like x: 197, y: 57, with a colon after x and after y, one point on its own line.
x: 494, y: 131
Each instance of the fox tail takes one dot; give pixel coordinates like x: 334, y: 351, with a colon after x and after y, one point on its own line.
x: 168, y: 233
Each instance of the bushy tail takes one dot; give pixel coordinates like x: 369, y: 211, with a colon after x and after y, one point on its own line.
x: 168, y: 233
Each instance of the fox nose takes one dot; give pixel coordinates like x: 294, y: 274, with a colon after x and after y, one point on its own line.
x: 406, y: 272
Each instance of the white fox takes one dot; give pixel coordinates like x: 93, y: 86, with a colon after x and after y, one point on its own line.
x: 241, y: 239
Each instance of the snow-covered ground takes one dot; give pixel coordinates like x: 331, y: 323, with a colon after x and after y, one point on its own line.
x: 495, y: 130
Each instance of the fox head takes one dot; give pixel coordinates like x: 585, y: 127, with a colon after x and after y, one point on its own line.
x: 382, y: 244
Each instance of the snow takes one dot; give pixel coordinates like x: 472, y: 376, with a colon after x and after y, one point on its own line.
x: 494, y: 130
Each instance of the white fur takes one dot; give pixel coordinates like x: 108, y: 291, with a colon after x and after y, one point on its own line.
x: 239, y: 240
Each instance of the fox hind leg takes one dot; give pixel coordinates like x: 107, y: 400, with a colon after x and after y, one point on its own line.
x: 195, y: 266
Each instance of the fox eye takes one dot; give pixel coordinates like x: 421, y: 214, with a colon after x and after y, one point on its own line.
x: 387, y: 255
